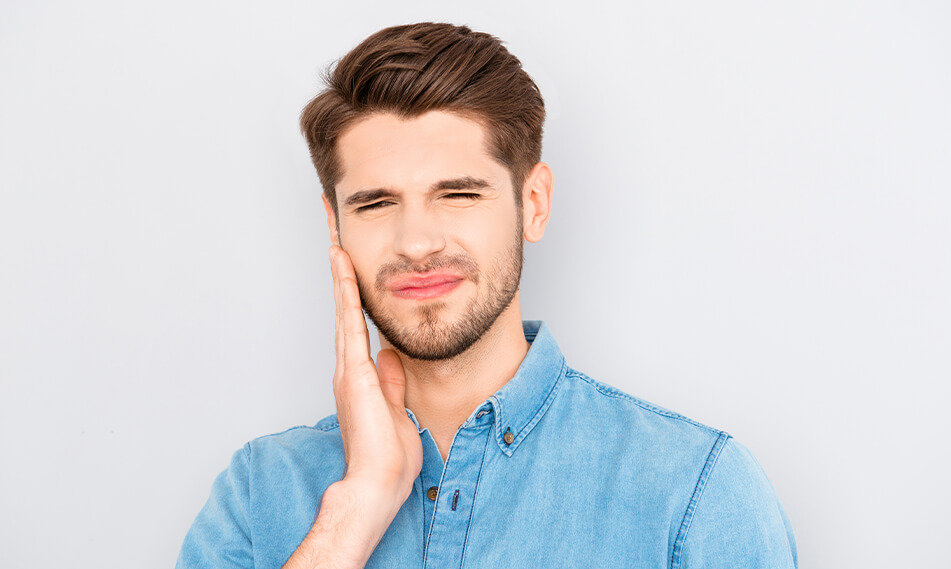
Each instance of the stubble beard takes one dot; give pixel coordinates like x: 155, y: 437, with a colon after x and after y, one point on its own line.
x: 431, y: 337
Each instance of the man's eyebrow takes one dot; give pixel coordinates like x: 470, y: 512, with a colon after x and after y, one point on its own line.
x: 464, y: 183
x: 366, y: 196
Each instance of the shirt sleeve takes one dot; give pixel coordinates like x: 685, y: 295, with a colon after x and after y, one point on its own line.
x: 220, y: 536
x: 737, y: 520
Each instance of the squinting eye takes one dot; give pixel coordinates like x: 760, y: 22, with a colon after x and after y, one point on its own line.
x: 464, y: 195
x: 372, y: 206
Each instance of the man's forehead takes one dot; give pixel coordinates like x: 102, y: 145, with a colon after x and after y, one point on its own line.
x: 385, y: 150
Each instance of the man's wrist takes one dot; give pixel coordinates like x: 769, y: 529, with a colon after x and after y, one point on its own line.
x: 351, y: 521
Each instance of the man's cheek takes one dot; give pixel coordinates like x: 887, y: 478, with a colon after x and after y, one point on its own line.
x: 365, y: 279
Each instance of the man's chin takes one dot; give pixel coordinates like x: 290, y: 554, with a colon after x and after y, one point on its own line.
x: 427, y: 339
x: 429, y: 349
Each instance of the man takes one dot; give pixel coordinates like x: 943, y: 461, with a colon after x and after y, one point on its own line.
x: 470, y: 442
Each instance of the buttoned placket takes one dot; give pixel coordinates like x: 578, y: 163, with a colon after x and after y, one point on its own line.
x: 449, y: 516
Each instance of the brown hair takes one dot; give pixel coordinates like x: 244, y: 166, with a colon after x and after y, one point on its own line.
x: 409, y: 70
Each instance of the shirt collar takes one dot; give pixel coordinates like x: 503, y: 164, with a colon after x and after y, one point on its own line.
x: 522, y: 402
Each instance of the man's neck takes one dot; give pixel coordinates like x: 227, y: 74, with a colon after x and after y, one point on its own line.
x: 442, y: 394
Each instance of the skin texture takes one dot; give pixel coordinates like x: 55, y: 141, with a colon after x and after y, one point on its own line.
x: 407, y: 176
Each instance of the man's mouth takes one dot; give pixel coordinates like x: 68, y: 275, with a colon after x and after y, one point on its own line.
x: 424, y: 286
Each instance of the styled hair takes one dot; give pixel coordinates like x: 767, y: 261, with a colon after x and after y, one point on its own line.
x: 412, y: 69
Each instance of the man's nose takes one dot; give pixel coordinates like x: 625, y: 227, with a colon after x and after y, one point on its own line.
x: 418, y: 235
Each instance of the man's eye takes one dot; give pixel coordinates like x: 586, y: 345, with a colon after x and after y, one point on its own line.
x: 372, y: 206
x: 463, y: 195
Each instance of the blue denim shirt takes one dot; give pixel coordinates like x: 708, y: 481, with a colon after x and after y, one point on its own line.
x: 554, y: 470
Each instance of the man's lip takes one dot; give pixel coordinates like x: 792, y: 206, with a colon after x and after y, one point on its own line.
x: 422, y: 281
x: 424, y: 286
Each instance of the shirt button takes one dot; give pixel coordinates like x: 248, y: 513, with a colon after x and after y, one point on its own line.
x: 432, y: 493
x: 508, y: 437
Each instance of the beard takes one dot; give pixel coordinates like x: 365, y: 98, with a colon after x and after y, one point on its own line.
x: 432, y: 338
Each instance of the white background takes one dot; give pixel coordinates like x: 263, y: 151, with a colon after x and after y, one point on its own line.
x: 750, y: 227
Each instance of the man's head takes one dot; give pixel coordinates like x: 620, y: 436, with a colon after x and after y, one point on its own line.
x: 413, y: 69
x: 427, y: 142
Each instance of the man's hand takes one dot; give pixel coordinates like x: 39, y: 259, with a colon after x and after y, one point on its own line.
x: 380, y: 442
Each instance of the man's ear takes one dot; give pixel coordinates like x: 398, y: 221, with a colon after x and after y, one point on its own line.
x: 331, y: 221
x: 536, y: 201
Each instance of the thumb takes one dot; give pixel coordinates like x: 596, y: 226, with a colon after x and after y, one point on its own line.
x: 392, y: 378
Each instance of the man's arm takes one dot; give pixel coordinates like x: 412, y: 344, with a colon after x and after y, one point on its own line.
x: 737, y: 520
x: 381, y: 443
x: 381, y: 446
x: 220, y: 536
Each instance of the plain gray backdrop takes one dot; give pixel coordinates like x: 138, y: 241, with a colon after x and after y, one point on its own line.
x: 750, y: 227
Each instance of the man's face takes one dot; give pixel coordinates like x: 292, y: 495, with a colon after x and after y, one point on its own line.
x: 431, y: 225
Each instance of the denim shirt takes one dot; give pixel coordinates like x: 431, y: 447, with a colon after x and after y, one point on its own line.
x: 553, y: 470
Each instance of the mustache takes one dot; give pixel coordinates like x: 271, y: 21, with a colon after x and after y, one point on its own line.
x: 462, y: 264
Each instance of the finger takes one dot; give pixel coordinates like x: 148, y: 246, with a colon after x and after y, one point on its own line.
x: 392, y: 377
x: 356, y: 338
x: 338, y: 319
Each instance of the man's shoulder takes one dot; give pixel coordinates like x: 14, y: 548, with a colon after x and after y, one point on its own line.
x: 320, y: 442
x: 704, y: 470
x: 626, y: 428
x: 615, y: 404
x: 327, y: 428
